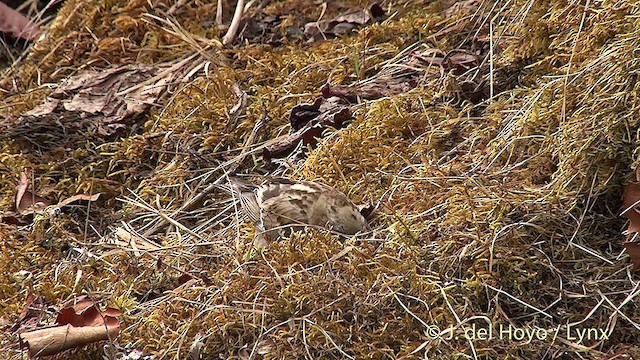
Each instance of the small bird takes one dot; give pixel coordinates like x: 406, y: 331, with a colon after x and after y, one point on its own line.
x: 279, y: 205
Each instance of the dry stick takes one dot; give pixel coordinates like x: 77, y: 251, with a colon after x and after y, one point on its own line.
x: 235, y: 24
x: 219, y: 13
x: 196, y: 199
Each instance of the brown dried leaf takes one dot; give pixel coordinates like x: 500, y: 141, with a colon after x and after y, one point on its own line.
x: 101, y: 101
x: 633, y: 249
x: 10, y: 218
x: 75, y: 198
x: 631, y: 206
x: 343, y: 24
x: 451, y: 7
x: 419, y: 67
x: 308, y: 121
x: 29, y: 203
x: 53, y: 340
x: 26, y: 201
x: 83, y: 311
x: 382, y: 86
x: 239, y: 108
x: 17, y: 25
x: 460, y: 60
x: 79, y: 323
x: 32, y: 313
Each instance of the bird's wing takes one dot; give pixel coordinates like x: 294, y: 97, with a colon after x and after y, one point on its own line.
x: 279, y: 212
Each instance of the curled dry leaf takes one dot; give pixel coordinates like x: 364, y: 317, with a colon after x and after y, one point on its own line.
x: 418, y: 67
x: 308, y: 121
x: 343, y: 24
x: 79, y: 323
x: 75, y: 198
x: 29, y: 203
x: 34, y: 311
x: 12, y: 22
x: 631, y: 210
x: 631, y: 206
x: 633, y: 249
x: 97, y: 102
x: 239, y: 108
x: 26, y: 201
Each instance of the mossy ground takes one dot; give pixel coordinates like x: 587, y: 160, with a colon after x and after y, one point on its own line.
x: 503, y: 211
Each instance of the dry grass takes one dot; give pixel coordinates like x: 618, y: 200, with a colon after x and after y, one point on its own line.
x: 500, y: 212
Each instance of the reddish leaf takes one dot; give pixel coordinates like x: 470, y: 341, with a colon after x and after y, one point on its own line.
x: 184, y: 278
x: 631, y: 206
x: 26, y: 201
x: 84, y: 311
x: 79, y: 323
x: 9, y: 218
x: 461, y: 60
x: 17, y: 25
x: 633, y: 249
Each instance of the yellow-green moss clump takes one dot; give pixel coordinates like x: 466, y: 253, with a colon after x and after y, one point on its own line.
x: 501, y: 213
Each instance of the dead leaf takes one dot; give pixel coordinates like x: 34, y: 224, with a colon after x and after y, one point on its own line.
x: 75, y: 198
x: 239, y: 108
x: 29, y: 203
x: 382, y: 86
x: 79, y: 323
x: 26, y: 201
x: 267, y: 29
x: 452, y: 7
x: 460, y: 60
x: 34, y: 311
x: 17, y: 25
x: 10, y: 218
x: 184, y: 278
x: 631, y: 206
x: 417, y: 68
x: 83, y: 311
x: 100, y: 102
x: 633, y: 249
x: 343, y: 24
x: 308, y: 121
x: 53, y: 340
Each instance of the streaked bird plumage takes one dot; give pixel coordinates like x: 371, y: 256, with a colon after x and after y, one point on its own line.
x: 279, y: 205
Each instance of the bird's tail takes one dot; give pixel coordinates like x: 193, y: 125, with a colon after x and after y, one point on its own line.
x: 244, y: 191
x: 237, y: 186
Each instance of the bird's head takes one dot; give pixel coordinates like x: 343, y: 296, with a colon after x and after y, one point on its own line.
x: 348, y: 220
